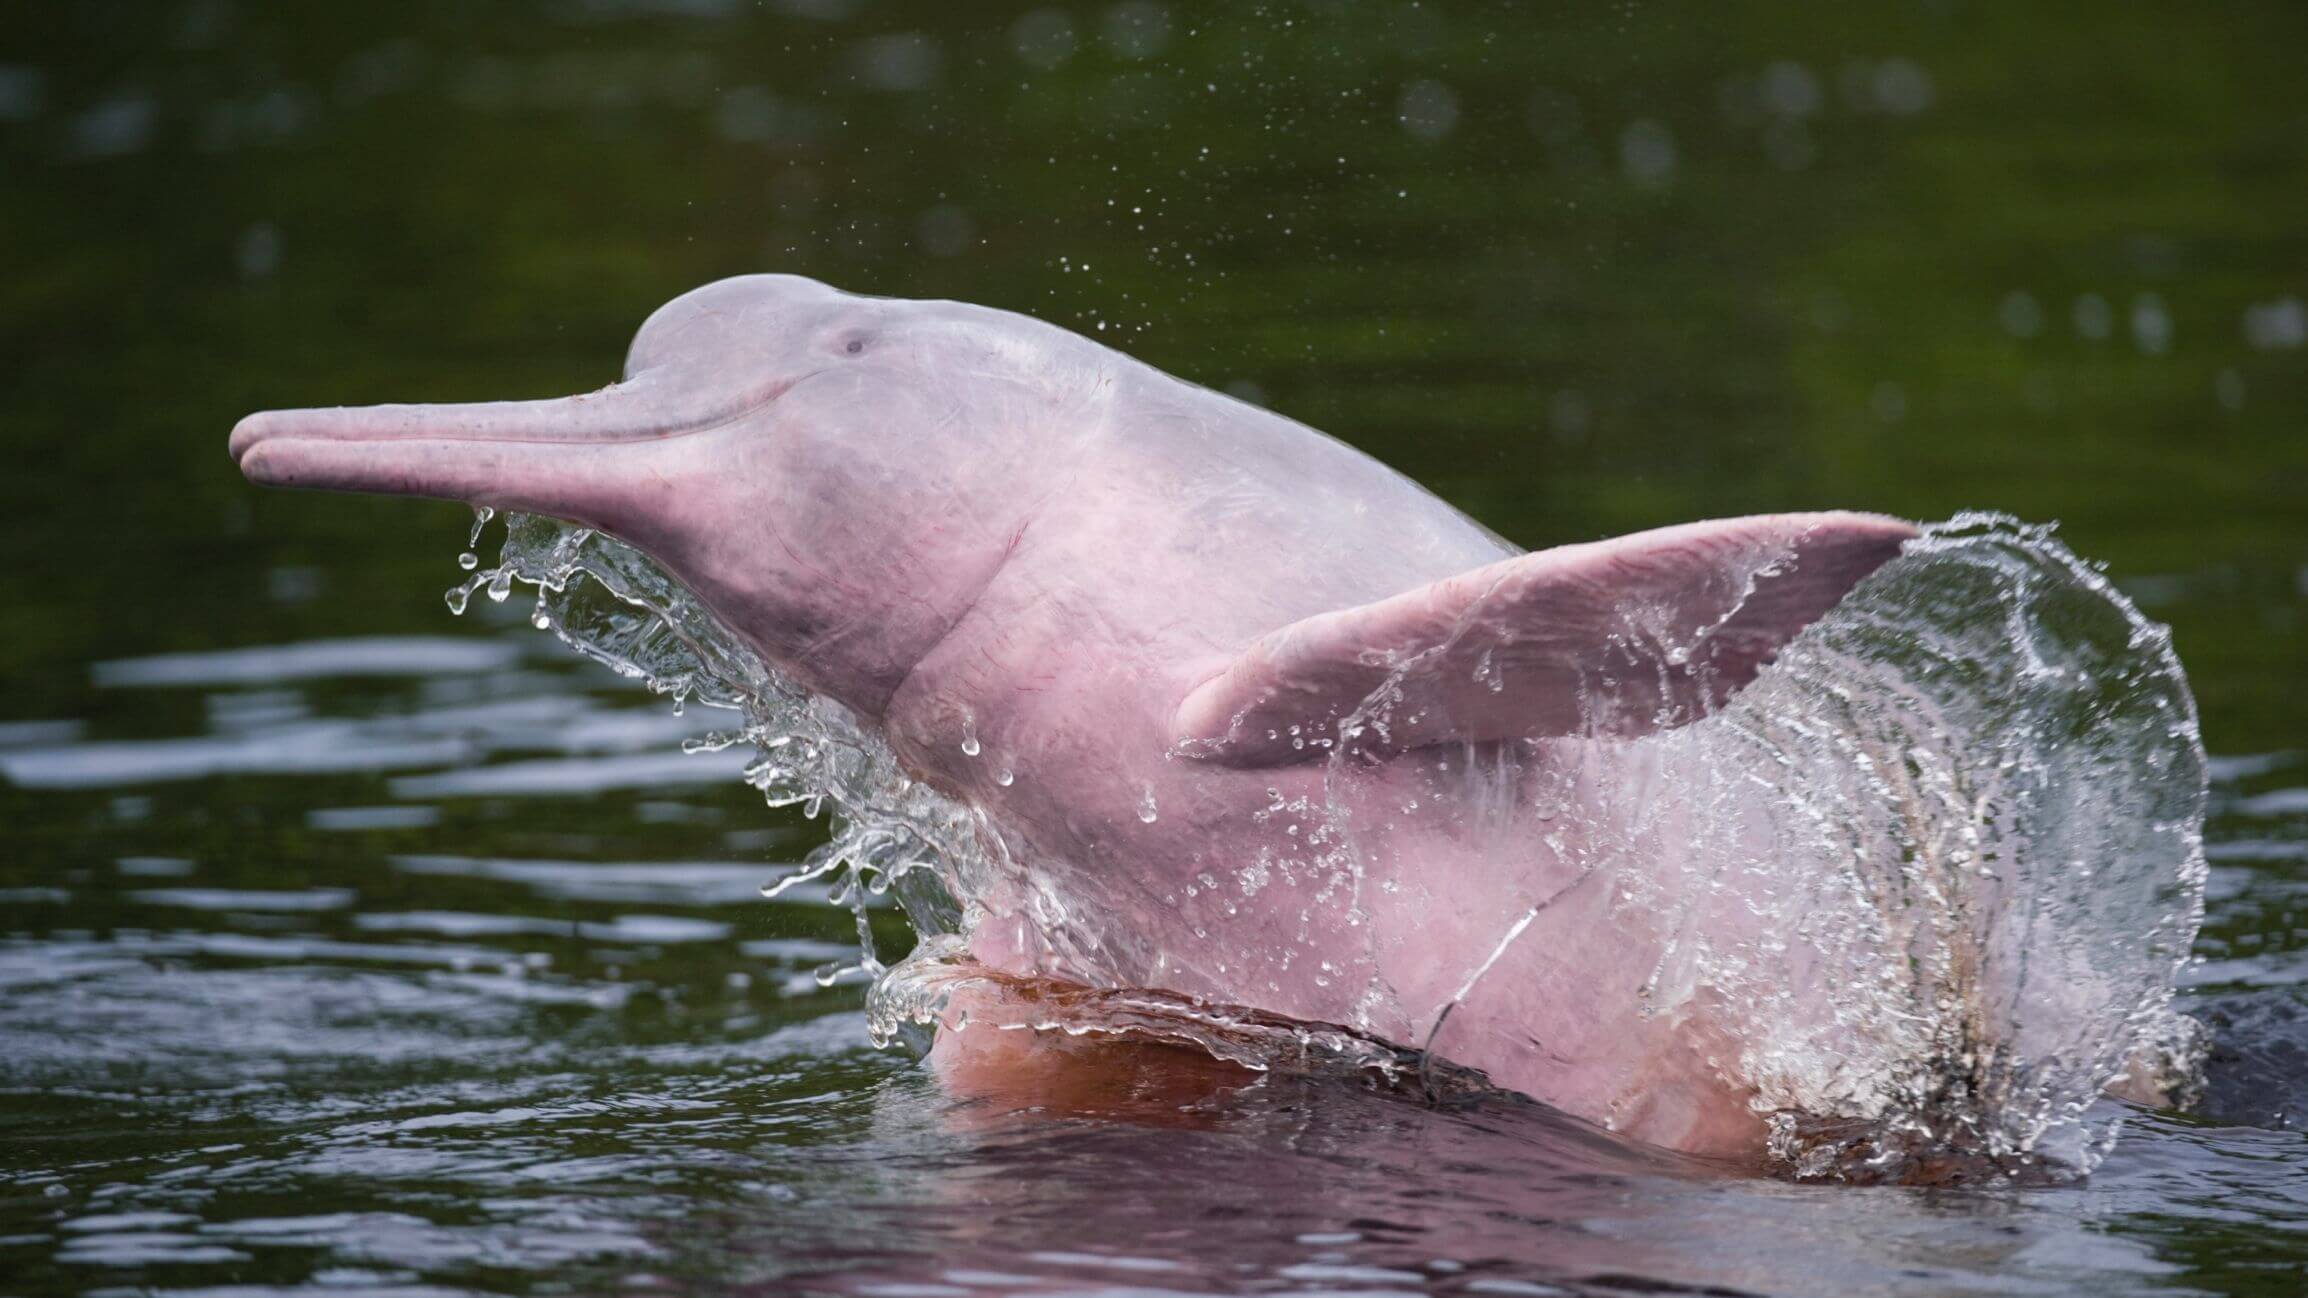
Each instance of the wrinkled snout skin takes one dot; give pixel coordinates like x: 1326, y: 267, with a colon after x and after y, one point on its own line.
x: 965, y: 524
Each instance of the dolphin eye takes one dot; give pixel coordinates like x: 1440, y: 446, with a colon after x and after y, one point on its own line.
x: 854, y: 344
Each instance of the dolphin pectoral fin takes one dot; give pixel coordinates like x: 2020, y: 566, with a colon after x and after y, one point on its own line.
x: 1620, y: 637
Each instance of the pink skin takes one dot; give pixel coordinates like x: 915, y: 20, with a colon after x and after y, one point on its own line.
x: 958, y: 520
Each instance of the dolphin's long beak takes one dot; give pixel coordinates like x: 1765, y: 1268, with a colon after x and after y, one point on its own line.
x: 572, y: 457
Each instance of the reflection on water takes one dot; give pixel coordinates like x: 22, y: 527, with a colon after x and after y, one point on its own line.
x: 326, y: 1049
x: 457, y: 719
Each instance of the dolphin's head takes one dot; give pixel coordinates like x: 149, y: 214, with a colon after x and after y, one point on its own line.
x: 836, y: 476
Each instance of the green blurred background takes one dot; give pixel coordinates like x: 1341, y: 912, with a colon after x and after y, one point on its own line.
x: 1583, y: 269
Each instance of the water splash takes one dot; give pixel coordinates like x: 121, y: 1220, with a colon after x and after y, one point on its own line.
x: 890, y: 834
x: 1931, y: 876
x: 1922, y: 891
x: 1982, y: 868
x: 939, y: 983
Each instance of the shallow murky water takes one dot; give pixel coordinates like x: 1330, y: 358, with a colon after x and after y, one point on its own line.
x: 332, y: 1049
x: 348, y: 947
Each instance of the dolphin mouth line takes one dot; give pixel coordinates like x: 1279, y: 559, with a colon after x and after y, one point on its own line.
x: 363, y: 425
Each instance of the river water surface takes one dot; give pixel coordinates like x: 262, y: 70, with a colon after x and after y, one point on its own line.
x: 349, y: 947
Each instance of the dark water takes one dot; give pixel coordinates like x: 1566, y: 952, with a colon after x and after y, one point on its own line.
x: 364, y: 949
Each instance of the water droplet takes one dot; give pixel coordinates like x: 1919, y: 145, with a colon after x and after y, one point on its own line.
x: 500, y: 585
x: 1004, y: 777
x: 1487, y: 673
x: 468, y: 561
x: 1146, y: 810
x: 481, y: 516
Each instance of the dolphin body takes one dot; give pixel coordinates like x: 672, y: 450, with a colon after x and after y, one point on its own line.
x: 1151, y: 633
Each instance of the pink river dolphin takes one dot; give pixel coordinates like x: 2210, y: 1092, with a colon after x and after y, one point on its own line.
x: 1148, y: 630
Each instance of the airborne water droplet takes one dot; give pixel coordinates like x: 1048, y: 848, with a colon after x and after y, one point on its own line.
x: 468, y: 561
x: 481, y: 516
x: 459, y: 596
x: 1004, y: 777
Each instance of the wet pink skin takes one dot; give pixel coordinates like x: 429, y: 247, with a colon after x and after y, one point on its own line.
x: 980, y: 531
